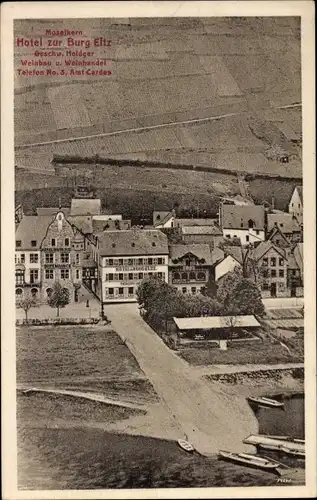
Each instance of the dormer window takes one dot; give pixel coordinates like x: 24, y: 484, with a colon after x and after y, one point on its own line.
x: 153, y: 244
x: 250, y: 223
x: 113, y: 245
x: 66, y: 242
x: 18, y: 243
x: 53, y: 242
x: 133, y: 244
x: 33, y: 243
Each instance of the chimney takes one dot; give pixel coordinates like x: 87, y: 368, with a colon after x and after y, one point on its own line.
x: 273, y: 202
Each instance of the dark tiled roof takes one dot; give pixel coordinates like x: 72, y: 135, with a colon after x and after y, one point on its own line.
x: 195, y: 222
x: 214, y: 230
x: 110, y: 225
x: 201, y: 251
x: 260, y: 250
x: 82, y: 222
x: 132, y: 242
x: 300, y: 192
x: 32, y: 228
x: 286, y: 222
x: 238, y: 216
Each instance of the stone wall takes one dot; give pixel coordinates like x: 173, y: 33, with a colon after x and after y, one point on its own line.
x: 259, y: 375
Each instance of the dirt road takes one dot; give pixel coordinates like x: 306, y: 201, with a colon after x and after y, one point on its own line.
x: 210, y: 417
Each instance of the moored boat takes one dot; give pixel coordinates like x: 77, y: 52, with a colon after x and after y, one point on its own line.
x: 262, y: 401
x: 249, y: 460
x: 185, y: 445
x: 293, y: 452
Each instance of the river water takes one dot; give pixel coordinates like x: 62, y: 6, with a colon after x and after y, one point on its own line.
x: 287, y: 421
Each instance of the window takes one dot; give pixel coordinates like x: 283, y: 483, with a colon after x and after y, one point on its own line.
x: 176, y: 276
x: 277, y: 241
x: 111, y: 291
x: 273, y: 261
x: 33, y: 243
x: 281, y: 262
x: 110, y: 262
x: 120, y: 262
x: 34, y: 275
x: 77, y: 274
x: 49, y: 274
x: 19, y: 277
x: 22, y: 258
x: 130, y: 276
x: 130, y: 262
x: 120, y: 276
x: 53, y: 242
x: 265, y: 261
x: 257, y: 231
x: 184, y: 289
x: 130, y: 290
x: 193, y: 289
x: 228, y: 236
x: 110, y: 277
x: 294, y: 272
x: 184, y: 276
x: 265, y: 273
x: 67, y: 242
x: 250, y: 223
x: 187, y: 262
x: 140, y: 276
x: 34, y: 258
x: 247, y: 238
x: 201, y: 276
x: 273, y: 273
x: 192, y: 275
x: 77, y: 258
x: 34, y: 292
x: 160, y: 275
x: 160, y: 260
x: 65, y: 258
x: 15, y: 259
x: 120, y: 291
x: 281, y: 286
x: 64, y: 274
x: 18, y: 243
x: 140, y: 262
x: 265, y: 286
x: 150, y: 262
x: 281, y: 273
x: 49, y: 258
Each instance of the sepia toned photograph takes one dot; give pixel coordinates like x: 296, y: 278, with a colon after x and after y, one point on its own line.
x: 159, y: 252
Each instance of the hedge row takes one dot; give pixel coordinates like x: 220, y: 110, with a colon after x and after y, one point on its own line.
x: 57, y: 321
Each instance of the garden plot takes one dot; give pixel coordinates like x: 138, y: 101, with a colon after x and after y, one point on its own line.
x: 68, y: 108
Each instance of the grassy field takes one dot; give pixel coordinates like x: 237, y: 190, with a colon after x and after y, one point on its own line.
x: 240, y: 354
x: 83, y: 359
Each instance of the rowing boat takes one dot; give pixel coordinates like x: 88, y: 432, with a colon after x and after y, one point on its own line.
x: 248, y: 460
x: 185, y: 445
x: 262, y: 401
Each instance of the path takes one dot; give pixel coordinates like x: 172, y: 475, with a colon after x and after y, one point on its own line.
x: 85, y: 395
x: 209, y: 416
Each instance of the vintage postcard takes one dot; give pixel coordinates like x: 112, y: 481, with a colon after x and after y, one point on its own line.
x: 158, y: 277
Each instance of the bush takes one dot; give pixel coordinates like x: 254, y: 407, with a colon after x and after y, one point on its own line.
x: 57, y: 321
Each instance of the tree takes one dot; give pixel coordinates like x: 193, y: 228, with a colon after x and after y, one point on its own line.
x: 147, y: 289
x: 59, y: 297
x: 245, y: 299
x: 26, y: 303
x: 228, y: 283
x: 200, y: 305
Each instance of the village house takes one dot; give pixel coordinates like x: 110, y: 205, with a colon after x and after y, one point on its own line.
x: 29, y: 235
x: 189, y: 267
x: 272, y: 261
x: 163, y: 219
x: 125, y: 258
x: 282, y: 228
x: 295, y: 206
x: 245, y: 222
x: 226, y: 260
x: 295, y: 281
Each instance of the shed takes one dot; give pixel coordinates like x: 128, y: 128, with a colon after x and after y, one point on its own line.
x: 209, y: 325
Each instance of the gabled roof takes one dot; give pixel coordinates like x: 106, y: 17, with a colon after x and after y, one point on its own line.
x: 299, y: 256
x: 132, y: 242
x: 274, y: 231
x: 214, y: 230
x: 286, y: 222
x: 32, y: 228
x: 300, y: 192
x: 260, y: 250
x: 217, y: 255
x: 201, y: 251
x: 236, y: 252
x: 238, y: 216
x: 84, y: 206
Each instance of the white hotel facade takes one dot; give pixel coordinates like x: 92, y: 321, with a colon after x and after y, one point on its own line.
x: 125, y: 258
